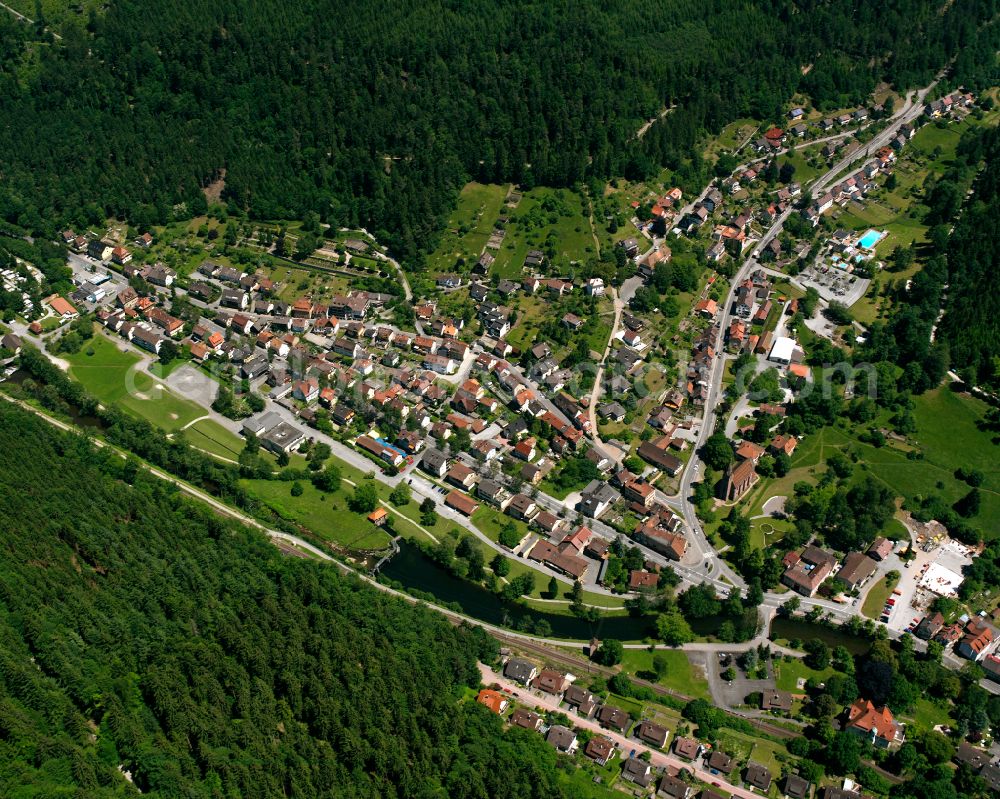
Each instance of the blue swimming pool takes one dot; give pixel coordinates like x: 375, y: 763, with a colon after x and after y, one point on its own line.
x: 870, y: 239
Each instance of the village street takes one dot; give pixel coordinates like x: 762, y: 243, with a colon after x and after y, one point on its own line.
x: 625, y: 746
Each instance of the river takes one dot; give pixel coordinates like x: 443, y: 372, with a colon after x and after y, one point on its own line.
x: 413, y: 569
x: 788, y: 629
x: 72, y: 412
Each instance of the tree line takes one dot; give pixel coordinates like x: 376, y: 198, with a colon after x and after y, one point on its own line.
x: 139, y: 631
x: 378, y: 119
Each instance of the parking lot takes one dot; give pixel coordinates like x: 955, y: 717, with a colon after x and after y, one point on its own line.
x: 85, y: 270
x: 914, y: 594
x: 835, y: 285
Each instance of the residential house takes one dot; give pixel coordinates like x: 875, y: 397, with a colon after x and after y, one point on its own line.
x: 562, y: 738
x: 596, y: 499
x: 972, y: 756
x: 233, y: 298
x: 797, y: 787
x: 673, y: 787
x: 308, y: 391
x: 550, y: 681
x: 494, y: 700
x: 523, y: 507
x: 757, y: 776
x: 673, y: 545
x: 639, y: 579
x: 461, y: 476
x: 580, y: 699
x: 99, y: 249
x: 463, y: 503
x: 600, y: 749
x: 654, y: 452
x: 147, y: 339
x: 857, y: 570
x: 876, y: 725
x: 637, y: 771
x: 493, y: 492
x: 613, y: 718
x: 687, y: 748
x: 526, y: 719
x: 880, y: 549
x: 929, y: 626
x: 720, y: 763
x: 561, y: 559
x: 651, y: 733
x: 991, y: 665
x: 976, y: 641
x: 520, y: 670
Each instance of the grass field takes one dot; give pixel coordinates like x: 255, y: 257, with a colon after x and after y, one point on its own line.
x: 111, y: 375
x: 326, y: 515
x: 731, y: 137
x: 744, y: 747
x: 948, y: 437
x: 927, y: 715
x: 788, y: 674
x: 805, y: 172
x: 212, y: 437
x: 681, y: 676
x: 469, y: 226
x: 551, y: 220
x: 875, y: 599
x: 490, y: 521
x: 769, y: 531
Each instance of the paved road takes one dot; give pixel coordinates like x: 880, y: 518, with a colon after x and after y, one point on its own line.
x: 658, y: 758
x: 906, y: 113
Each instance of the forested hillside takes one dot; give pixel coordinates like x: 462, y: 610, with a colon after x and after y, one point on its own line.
x: 376, y: 115
x: 138, y: 631
x: 971, y: 324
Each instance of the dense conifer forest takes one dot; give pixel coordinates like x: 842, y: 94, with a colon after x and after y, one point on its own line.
x: 971, y: 324
x: 378, y: 117
x: 137, y: 630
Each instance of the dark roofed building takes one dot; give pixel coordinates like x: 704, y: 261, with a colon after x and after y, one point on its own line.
x: 929, y: 626
x: 991, y: 776
x: 599, y: 749
x: 519, y: 670
x: 562, y: 738
x: 796, y: 787
x: 857, y: 570
x: 651, y: 733
x: 972, y: 755
x: 880, y: 549
x: 757, y: 776
x: 688, y: 748
x: 526, y: 719
x: 580, y: 699
x: 674, y: 787
x: 773, y: 699
x: 839, y: 793
x: 613, y: 717
x: 550, y: 681
x: 637, y: 771
x: 721, y: 762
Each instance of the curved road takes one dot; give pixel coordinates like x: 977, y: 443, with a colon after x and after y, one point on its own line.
x: 716, y: 568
